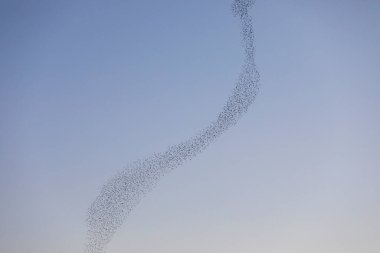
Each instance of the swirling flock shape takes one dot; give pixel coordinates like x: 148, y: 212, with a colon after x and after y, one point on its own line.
x: 125, y: 190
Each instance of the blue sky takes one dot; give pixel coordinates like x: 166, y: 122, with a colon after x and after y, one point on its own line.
x: 88, y: 86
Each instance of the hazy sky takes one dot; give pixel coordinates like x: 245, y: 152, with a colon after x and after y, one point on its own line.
x: 88, y: 86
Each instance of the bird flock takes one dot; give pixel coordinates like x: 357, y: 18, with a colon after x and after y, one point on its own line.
x: 125, y: 190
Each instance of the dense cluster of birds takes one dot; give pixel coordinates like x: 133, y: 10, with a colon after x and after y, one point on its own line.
x: 125, y: 190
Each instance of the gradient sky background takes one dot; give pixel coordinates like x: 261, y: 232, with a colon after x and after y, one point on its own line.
x: 88, y: 86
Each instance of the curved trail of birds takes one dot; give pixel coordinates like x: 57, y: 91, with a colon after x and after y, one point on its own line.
x: 125, y: 190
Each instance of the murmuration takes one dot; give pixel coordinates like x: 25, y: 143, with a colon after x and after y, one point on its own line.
x: 125, y: 190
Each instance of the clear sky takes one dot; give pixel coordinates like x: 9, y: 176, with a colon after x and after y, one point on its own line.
x: 88, y: 86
